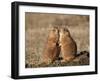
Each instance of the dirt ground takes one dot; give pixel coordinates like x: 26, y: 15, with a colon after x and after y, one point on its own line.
x: 37, y: 26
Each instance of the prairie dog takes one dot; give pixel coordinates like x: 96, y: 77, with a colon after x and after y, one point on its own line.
x: 68, y: 45
x: 51, y: 49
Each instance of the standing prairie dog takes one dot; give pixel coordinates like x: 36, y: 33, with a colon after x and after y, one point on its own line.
x: 68, y: 45
x: 51, y: 49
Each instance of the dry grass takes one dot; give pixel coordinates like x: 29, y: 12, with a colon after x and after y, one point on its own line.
x: 37, y: 27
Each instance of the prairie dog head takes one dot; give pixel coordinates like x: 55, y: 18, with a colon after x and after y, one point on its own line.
x: 53, y: 32
x: 64, y: 32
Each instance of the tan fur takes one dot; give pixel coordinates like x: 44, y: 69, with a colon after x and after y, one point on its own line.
x: 51, y: 49
x: 68, y: 45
